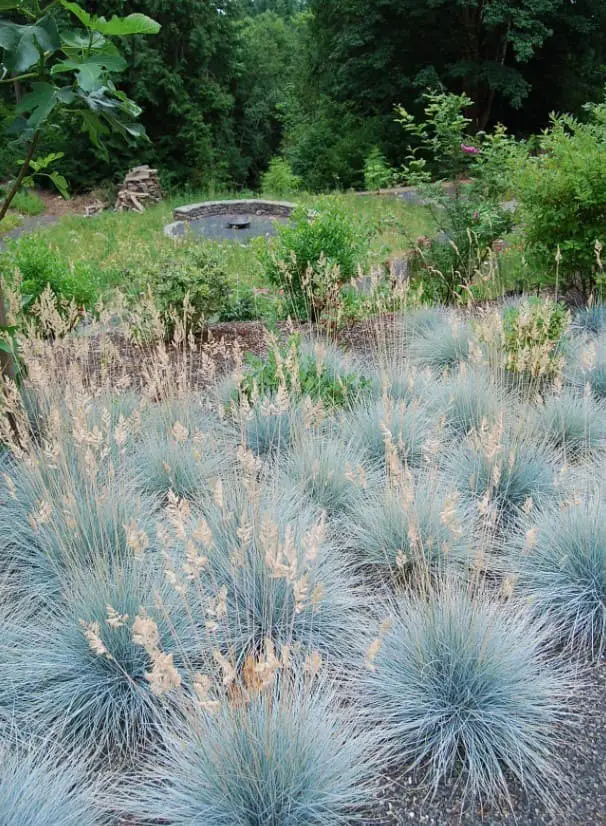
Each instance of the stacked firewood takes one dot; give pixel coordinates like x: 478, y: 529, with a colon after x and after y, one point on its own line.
x: 140, y: 189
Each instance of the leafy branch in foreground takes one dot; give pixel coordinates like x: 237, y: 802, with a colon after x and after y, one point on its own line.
x: 56, y: 67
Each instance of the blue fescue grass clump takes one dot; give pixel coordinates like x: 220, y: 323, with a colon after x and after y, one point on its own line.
x: 504, y: 479
x: 97, y: 697
x: 421, y: 321
x: 467, y: 691
x: 328, y: 472
x: 184, y: 451
x: 269, y: 430
x: 443, y: 346
x: 289, y: 756
x: 586, y: 367
x: 55, y: 519
x: 411, y: 535
x: 401, y: 382
x: 562, y: 571
x: 407, y: 428
x: 278, y: 581
x: 591, y: 320
x: 574, y: 423
x: 466, y: 400
x: 38, y: 787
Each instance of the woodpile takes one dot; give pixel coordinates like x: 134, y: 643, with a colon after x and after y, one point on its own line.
x: 140, y: 189
x: 94, y: 208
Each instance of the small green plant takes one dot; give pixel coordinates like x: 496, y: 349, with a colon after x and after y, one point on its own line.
x: 26, y: 202
x: 314, y: 255
x: 533, y: 333
x: 280, y: 179
x: 302, y: 372
x: 377, y: 172
x: 468, y: 230
x: 189, y: 283
x: 41, y: 267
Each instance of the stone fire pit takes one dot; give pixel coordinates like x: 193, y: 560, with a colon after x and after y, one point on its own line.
x: 229, y: 220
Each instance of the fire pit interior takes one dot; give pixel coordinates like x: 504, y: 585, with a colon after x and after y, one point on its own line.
x: 229, y: 220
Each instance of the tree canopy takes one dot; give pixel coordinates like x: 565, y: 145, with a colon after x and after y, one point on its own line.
x: 228, y: 85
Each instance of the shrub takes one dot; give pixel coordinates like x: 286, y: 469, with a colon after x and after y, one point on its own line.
x: 533, y: 334
x: 303, y: 369
x: 562, y: 570
x: 386, y: 428
x: 188, y: 282
x: 562, y: 196
x: 467, y: 690
x: 280, y: 179
x: 377, y: 172
x: 286, y: 757
x: 314, y: 255
x: 78, y: 668
x: 468, y: 231
x: 38, y: 787
x: 574, y: 423
x: 40, y: 266
x: 411, y: 534
x: 503, y: 475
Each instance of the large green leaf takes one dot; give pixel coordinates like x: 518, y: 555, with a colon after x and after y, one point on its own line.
x: 60, y: 183
x: 109, y: 62
x: 38, y: 103
x: 83, y: 16
x: 117, y: 26
x: 96, y: 130
x: 7, y: 5
x: 23, y: 44
x: 75, y: 41
x: 132, y: 24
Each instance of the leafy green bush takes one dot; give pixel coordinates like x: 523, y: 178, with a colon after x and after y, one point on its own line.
x: 190, y: 280
x: 27, y: 203
x: 562, y: 195
x: 377, y: 172
x: 468, y: 230
x: 533, y: 333
x: 279, y: 179
x: 40, y: 266
x: 303, y: 373
x: 472, y: 218
x: 313, y: 255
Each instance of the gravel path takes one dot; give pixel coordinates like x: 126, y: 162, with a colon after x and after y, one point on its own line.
x: 30, y: 224
x: 402, y: 801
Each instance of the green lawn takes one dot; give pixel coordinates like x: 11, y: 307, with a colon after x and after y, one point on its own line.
x: 116, y: 244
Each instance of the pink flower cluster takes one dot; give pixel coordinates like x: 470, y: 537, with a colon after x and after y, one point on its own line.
x: 470, y: 150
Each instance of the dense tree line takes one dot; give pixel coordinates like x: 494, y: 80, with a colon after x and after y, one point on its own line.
x: 230, y: 83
